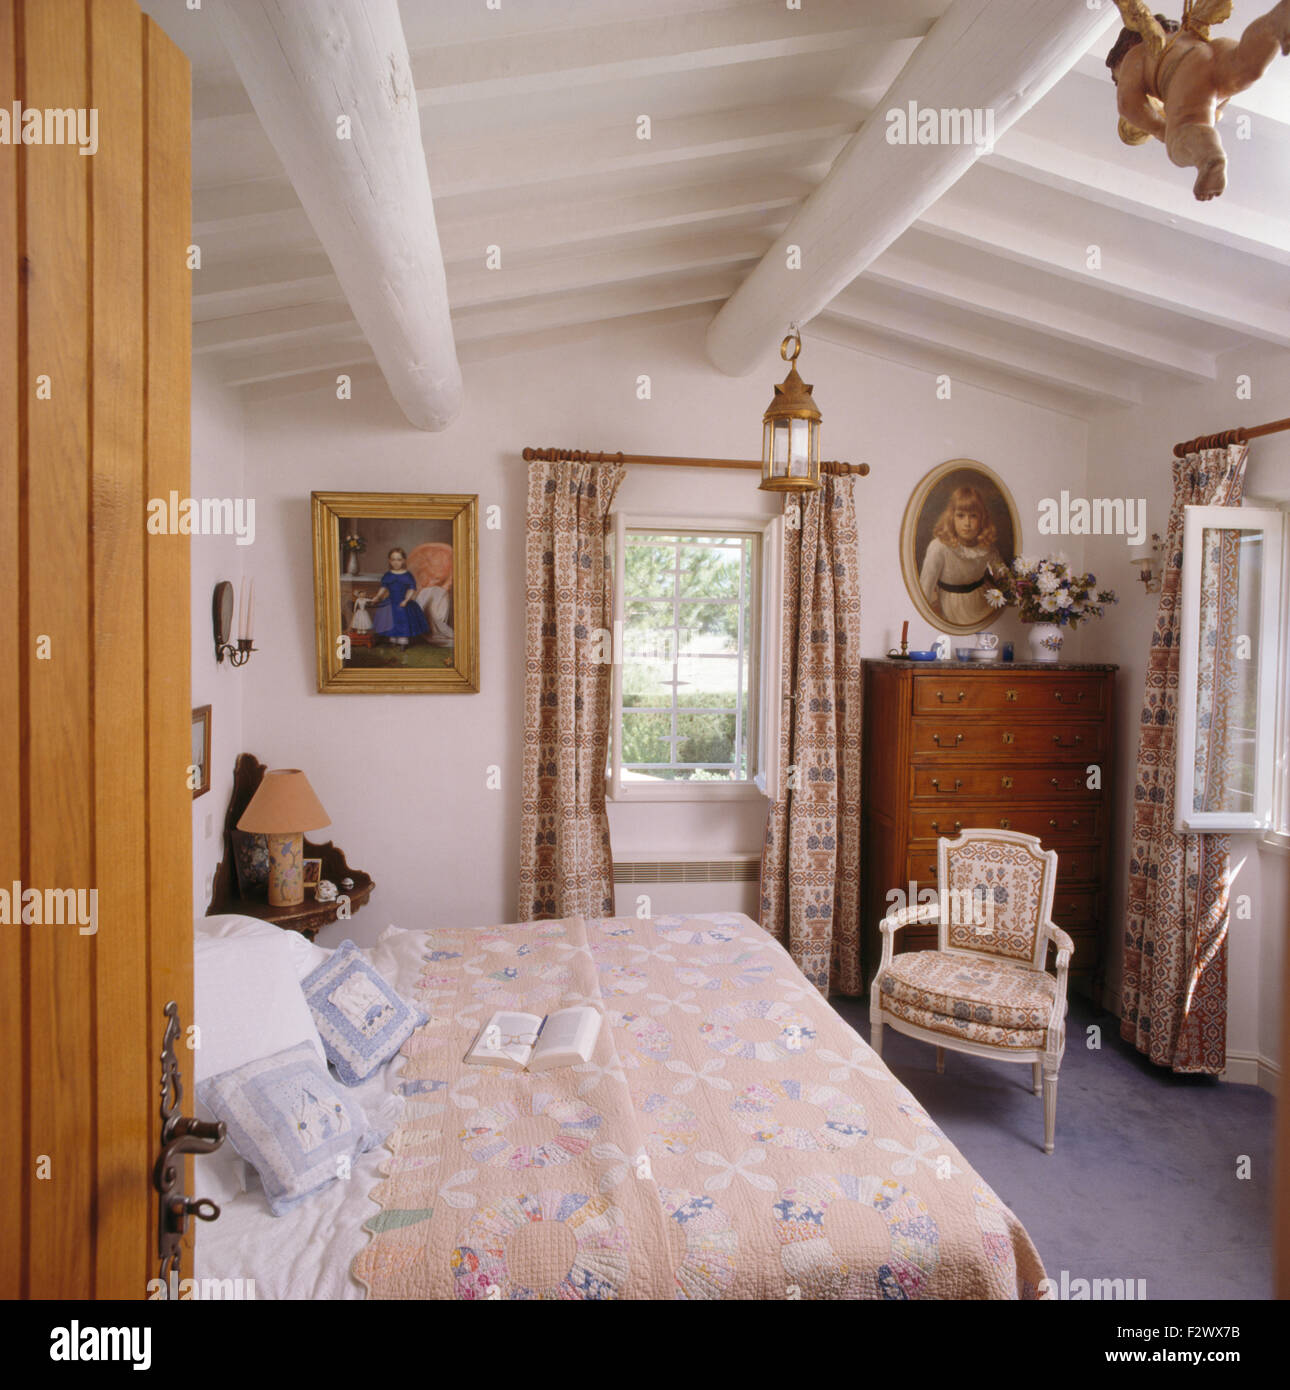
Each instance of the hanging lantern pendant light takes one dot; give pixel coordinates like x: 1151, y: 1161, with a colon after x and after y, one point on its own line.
x: 790, y: 452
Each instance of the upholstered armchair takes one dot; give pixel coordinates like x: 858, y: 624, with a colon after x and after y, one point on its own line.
x: 985, y: 989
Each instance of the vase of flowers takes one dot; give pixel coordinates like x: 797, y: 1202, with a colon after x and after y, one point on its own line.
x: 354, y: 546
x: 1049, y: 597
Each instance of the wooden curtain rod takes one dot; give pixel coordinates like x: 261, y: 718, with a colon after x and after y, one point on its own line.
x: 1241, y: 435
x: 667, y: 461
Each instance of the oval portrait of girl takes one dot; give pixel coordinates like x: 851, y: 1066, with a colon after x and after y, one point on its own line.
x: 960, y: 520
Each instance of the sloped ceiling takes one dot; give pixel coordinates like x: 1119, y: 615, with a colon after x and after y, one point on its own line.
x: 1064, y: 267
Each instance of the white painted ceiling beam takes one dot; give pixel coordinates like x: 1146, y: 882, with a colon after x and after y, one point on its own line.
x: 1064, y: 256
x: 511, y: 320
x: 1023, y: 307
x: 619, y: 301
x: 471, y: 286
x: 1155, y: 197
x: 637, y: 49
x: 861, y: 305
x: 538, y: 221
x: 306, y: 68
x: 809, y: 131
x: 858, y: 338
x: 998, y: 55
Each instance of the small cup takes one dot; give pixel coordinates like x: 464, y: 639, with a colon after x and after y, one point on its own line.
x: 987, y: 641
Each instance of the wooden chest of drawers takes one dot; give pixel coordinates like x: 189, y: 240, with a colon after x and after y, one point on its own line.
x: 951, y: 746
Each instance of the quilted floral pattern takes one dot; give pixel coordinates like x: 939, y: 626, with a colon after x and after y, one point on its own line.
x: 976, y: 991
x: 1005, y: 880
x: 718, y: 1144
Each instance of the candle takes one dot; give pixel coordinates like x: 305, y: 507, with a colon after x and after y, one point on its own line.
x: 904, y: 633
x: 250, y: 612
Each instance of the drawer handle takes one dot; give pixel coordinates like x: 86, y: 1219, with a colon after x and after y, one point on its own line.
x: 936, y: 739
x: 1006, y: 781
x: 1053, y: 782
x: 940, y: 695
x: 958, y: 825
x: 1078, y: 739
x: 1052, y: 820
x: 936, y: 782
x: 1061, y: 699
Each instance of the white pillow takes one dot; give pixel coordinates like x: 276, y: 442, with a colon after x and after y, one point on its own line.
x: 305, y: 956
x: 247, y: 1004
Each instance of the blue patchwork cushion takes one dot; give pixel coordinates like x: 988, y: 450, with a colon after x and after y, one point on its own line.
x: 290, y: 1120
x: 361, y: 1020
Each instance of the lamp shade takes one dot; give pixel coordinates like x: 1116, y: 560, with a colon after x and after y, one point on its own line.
x: 283, y: 804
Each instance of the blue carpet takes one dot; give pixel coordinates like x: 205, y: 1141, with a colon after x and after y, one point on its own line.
x: 1143, y: 1183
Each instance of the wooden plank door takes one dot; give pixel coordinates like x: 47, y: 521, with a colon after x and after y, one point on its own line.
x: 94, y: 702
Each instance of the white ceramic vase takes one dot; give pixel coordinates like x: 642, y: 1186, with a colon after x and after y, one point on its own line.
x: 351, y: 565
x: 1045, y: 641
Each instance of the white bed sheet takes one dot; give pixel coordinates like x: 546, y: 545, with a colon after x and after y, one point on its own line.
x: 307, y: 1253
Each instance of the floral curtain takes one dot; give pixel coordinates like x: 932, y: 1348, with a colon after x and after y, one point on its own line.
x: 810, y: 867
x: 565, y: 864
x: 1174, y: 989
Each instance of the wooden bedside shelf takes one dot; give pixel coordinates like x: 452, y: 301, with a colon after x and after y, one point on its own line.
x: 307, y: 917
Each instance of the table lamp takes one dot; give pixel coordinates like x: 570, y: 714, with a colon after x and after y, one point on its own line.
x: 282, y: 809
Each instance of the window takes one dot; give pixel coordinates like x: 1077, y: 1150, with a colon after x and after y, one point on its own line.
x: 1231, y: 760
x: 688, y: 676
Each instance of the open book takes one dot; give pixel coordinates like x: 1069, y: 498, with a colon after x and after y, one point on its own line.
x: 530, y: 1042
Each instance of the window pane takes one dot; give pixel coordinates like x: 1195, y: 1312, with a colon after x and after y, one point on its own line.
x: 687, y: 653
x: 705, y: 738
x: 649, y: 569
x: 710, y: 572
x: 708, y: 627
x: 709, y: 682
x: 645, y: 738
x: 647, y: 683
x: 1227, y: 685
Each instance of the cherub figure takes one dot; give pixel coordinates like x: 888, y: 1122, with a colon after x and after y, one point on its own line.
x: 1172, y: 80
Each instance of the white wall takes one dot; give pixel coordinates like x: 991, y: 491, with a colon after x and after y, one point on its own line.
x: 217, y: 471
x: 1132, y: 453
x: 403, y: 776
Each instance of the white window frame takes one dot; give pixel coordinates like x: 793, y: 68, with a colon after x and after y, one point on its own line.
x: 763, y: 739
x: 1271, y: 714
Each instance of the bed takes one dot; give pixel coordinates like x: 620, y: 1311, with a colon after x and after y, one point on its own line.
x: 730, y: 1138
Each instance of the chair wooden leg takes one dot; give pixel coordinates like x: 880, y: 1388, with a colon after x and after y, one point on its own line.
x: 1037, y: 1076
x: 875, y: 1035
x: 940, y: 1060
x: 1050, y: 1110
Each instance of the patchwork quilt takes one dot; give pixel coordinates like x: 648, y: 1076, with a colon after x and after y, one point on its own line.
x: 731, y: 1136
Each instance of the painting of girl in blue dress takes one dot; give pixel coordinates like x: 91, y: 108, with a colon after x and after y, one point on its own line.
x: 395, y: 613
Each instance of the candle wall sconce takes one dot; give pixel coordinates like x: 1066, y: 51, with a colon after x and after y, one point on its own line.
x: 236, y: 651
x: 1147, y: 562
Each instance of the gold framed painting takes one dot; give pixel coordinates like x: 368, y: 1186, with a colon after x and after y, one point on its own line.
x: 960, y: 520
x: 396, y: 593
